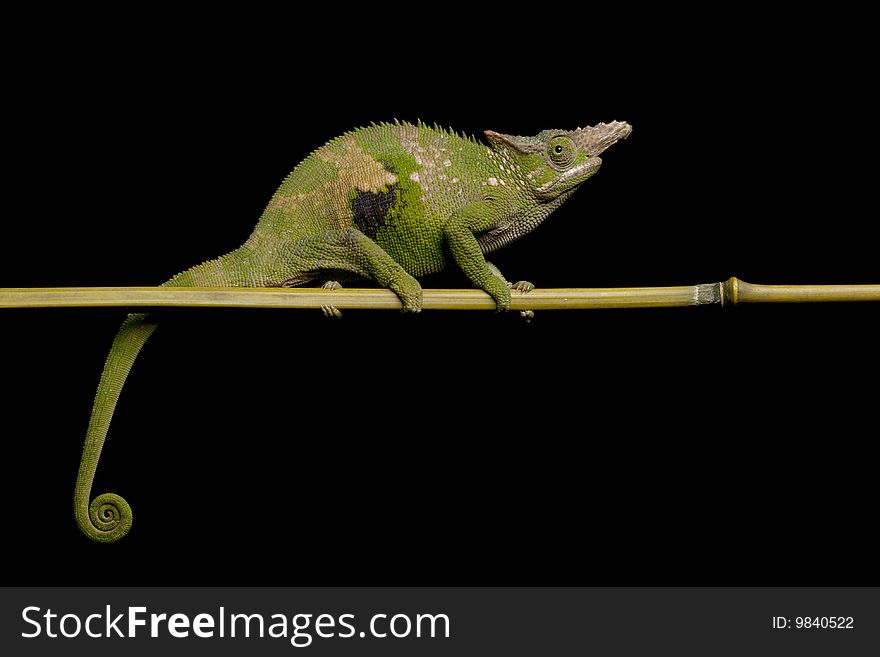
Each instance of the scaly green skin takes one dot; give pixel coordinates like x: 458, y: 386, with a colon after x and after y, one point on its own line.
x: 388, y: 203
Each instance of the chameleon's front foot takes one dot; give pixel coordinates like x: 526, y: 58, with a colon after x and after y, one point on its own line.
x: 521, y: 286
x: 524, y: 287
x: 499, y: 291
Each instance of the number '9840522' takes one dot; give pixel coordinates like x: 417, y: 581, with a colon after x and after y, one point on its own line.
x: 813, y: 623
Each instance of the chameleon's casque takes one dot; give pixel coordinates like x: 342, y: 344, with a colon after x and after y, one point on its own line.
x: 388, y: 202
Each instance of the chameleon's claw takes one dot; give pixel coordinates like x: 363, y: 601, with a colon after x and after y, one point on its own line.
x: 331, y: 312
x: 522, y: 286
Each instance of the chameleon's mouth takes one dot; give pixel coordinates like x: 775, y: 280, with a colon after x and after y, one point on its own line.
x: 573, y: 176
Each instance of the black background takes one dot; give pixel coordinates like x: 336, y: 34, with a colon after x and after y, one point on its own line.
x: 655, y: 447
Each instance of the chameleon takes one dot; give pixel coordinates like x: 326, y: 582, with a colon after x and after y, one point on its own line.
x: 388, y: 202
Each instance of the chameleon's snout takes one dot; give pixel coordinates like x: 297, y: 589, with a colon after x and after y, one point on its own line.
x: 596, y: 139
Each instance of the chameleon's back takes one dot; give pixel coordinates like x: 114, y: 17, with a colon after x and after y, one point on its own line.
x: 396, y: 183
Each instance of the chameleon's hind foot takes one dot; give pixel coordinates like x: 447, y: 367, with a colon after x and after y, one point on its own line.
x: 331, y: 312
x: 408, y: 291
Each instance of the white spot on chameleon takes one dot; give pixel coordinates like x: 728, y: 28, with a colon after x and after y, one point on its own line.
x: 501, y: 166
x: 501, y: 180
x: 455, y: 180
x: 447, y: 163
x: 414, y: 176
x: 492, y: 181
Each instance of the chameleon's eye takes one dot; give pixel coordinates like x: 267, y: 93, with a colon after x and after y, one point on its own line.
x: 561, y: 151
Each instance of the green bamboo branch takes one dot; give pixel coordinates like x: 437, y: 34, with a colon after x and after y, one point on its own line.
x: 730, y: 292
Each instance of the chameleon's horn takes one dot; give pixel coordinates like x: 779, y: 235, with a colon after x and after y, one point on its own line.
x: 597, y: 138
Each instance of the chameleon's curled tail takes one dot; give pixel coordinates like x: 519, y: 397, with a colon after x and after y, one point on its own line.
x: 108, y: 517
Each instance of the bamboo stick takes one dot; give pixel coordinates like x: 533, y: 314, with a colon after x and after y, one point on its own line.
x: 735, y: 291
x: 730, y: 292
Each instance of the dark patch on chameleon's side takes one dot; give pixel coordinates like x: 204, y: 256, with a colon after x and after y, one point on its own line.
x: 389, y: 167
x: 370, y: 209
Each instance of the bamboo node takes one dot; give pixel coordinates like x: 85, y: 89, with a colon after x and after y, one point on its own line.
x: 729, y: 290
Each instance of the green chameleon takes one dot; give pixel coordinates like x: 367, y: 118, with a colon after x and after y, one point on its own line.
x: 388, y: 202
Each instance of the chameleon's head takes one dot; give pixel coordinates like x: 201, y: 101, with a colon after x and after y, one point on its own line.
x: 557, y: 161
